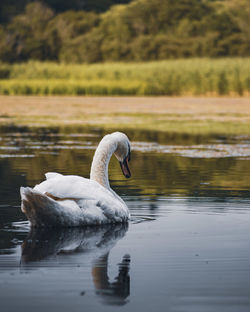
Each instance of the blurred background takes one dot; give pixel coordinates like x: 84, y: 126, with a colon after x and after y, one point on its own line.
x: 122, y: 30
x: 184, y: 47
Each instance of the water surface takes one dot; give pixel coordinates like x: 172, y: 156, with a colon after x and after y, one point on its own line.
x: 186, y: 248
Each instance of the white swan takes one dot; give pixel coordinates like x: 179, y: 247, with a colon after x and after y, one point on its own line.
x: 76, y: 201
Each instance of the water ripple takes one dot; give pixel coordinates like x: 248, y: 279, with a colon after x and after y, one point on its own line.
x: 196, y: 151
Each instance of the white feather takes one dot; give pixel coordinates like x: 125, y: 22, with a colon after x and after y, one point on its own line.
x: 68, y: 200
x: 51, y: 175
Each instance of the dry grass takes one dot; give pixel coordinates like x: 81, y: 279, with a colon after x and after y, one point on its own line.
x: 192, y: 115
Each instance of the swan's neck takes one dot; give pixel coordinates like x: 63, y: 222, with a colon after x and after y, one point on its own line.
x: 100, y: 163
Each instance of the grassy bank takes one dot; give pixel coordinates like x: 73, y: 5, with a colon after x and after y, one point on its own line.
x: 192, y: 77
x: 164, y: 114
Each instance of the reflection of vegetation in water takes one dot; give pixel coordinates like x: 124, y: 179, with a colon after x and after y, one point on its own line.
x: 152, y: 172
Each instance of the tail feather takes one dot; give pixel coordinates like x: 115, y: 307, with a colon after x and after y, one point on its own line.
x: 44, y: 211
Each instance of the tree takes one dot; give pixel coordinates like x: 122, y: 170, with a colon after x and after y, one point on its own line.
x: 25, y: 37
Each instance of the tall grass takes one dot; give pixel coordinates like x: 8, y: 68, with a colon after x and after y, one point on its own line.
x: 228, y: 76
x: 71, y: 87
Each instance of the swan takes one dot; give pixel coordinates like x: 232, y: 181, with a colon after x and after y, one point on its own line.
x: 70, y: 201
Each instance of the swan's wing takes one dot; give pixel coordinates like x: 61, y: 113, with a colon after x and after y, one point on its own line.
x: 51, y: 175
x: 42, y: 210
x: 74, y: 200
x: 72, y: 187
x: 98, y: 205
x: 106, y: 209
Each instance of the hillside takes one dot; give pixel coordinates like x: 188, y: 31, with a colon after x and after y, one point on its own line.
x: 140, y: 30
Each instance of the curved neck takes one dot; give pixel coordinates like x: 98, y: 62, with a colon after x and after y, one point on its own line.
x: 100, y: 163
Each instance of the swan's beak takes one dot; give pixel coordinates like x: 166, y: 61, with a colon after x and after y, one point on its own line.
x: 125, y: 168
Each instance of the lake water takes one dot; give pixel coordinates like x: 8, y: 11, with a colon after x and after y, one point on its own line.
x: 187, y: 247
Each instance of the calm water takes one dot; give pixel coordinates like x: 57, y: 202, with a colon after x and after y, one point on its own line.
x: 187, y: 247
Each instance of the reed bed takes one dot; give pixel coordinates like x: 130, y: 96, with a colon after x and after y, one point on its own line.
x: 71, y: 87
x: 226, y: 76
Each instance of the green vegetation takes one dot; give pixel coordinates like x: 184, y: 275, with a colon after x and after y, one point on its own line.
x: 141, y: 30
x: 140, y: 47
x: 74, y: 87
x: 137, y: 122
x: 229, y: 76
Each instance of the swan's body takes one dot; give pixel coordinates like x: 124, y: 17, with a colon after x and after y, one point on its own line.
x: 76, y: 201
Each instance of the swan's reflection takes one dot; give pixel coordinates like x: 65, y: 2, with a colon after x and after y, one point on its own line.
x: 94, y: 242
x: 118, y: 291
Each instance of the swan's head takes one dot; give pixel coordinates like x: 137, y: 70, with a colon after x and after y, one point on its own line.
x: 122, y: 152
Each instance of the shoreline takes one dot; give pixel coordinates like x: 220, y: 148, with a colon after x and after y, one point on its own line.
x: 197, y: 115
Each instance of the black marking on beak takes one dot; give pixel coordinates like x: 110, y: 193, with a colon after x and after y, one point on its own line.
x: 129, y: 154
x: 125, y: 167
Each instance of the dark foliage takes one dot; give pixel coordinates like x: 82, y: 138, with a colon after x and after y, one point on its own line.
x: 139, y: 30
x: 10, y: 8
